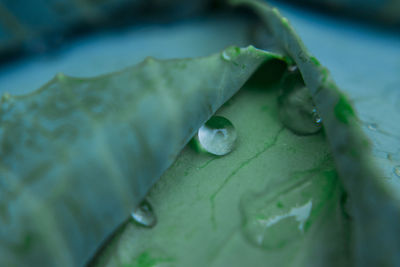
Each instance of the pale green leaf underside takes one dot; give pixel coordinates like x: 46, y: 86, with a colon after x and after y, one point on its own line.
x: 373, y: 231
x: 201, y: 201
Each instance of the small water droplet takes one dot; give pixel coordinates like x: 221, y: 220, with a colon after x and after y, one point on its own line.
x: 396, y: 170
x: 292, y: 68
x: 230, y: 53
x: 316, y: 116
x: 217, y: 136
x: 372, y: 126
x: 144, y: 215
x: 225, y: 56
x: 296, y: 107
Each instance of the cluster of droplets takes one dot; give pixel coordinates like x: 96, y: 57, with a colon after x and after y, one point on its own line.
x: 296, y: 107
x: 269, y: 223
x: 217, y: 136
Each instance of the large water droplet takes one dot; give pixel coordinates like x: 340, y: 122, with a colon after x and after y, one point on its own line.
x: 396, y: 170
x: 144, y: 215
x: 296, y: 108
x: 217, y: 136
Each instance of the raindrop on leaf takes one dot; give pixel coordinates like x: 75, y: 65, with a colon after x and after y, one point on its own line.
x: 144, y: 215
x: 217, y: 136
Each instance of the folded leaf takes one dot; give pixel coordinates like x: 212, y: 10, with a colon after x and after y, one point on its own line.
x: 296, y: 217
x: 376, y: 211
x: 275, y: 200
x: 78, y: 155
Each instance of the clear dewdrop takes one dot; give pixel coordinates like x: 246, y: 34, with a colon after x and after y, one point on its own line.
x: 217, y: 136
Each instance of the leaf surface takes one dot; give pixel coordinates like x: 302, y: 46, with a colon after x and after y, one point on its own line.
x: 79, y: 154
x: 373, y: 207
x: 275, y: 200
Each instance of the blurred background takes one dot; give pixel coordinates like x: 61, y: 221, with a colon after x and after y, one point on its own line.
x: 357, y: 40
x: 37, y: 26
x: 39, y: 38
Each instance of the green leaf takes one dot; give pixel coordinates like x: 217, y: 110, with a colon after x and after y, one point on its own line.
x: 74, y: 164
x: 369, y: 240
x: 375, y: 209
x: 78, y: 155
x: 275, y: 199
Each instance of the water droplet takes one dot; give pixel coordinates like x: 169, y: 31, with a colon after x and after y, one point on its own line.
x: 396, y: 170
x: 225, y: 56
x: 217, y: 136
x: 372, y: 126
x: 144, y: 215
x: 292, y: 68
x: 230, y: 53
x: 316, y: 116
x: 296, y: 108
